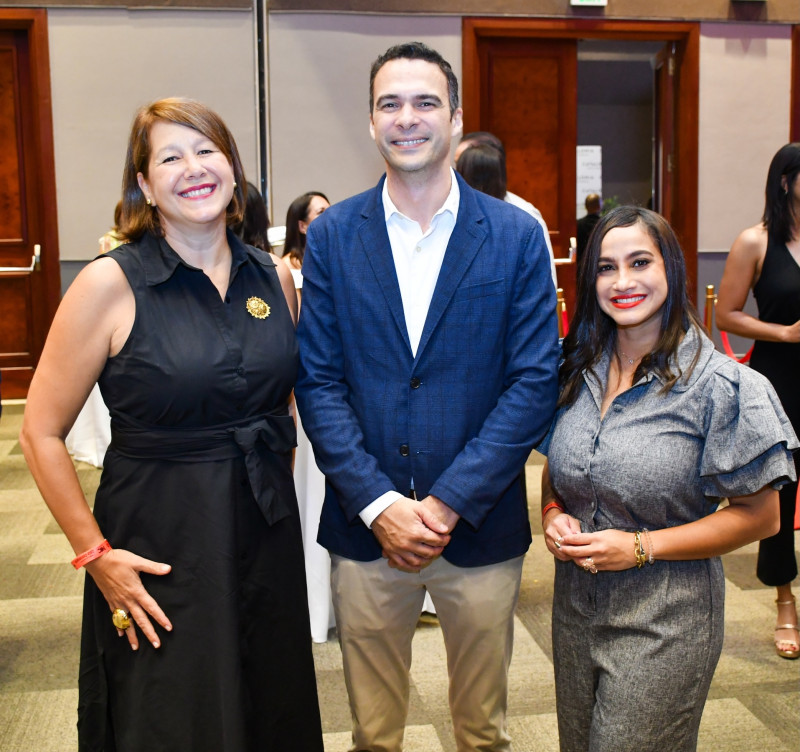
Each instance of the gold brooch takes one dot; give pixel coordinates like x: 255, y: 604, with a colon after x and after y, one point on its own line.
x: 258, y: 308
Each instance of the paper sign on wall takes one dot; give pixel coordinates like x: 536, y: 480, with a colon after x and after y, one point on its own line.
x: 589, y: 175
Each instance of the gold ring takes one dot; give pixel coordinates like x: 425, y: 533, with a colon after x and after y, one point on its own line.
x: 120, y: 618
x: 558, y: 542
x: 589, y: 565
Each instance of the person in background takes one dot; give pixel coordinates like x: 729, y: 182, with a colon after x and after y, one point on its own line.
x: 428, y: 351
x: 654, y: 429
x: 255, y: 223
x: 766, y: 259
x: 484, y: 168
x: 195, y: 627
x: 594, y: 205
x: 301, y: 213
x: 497, y: 165
x: 112, y: 238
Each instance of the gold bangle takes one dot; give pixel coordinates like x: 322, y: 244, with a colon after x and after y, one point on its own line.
x: 651, y: 556
x: 640, y: 555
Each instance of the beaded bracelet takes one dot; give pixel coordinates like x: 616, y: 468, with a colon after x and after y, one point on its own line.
x: 641, y: 558
x: 650, y: 550
x: 93, y: 553
x: 548, y: 507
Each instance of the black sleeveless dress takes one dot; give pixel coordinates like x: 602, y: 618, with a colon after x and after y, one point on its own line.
x: 777, y: 294
x: 198, y: 476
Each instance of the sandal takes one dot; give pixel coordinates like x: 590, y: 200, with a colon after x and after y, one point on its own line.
x: 787, y: 648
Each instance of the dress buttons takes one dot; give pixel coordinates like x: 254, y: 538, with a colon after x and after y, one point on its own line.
x: 404, y: 450
x: 418, y: 249
x: 415, y: 382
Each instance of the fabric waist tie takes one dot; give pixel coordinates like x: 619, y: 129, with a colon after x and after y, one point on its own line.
x: 261, y: 441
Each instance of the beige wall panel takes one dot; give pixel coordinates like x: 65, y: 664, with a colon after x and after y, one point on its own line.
x: 745, y: 77
x: 319, y: 88
x: 105, y: 64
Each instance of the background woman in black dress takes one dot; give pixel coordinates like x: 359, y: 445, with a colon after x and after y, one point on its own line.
x: 766, y: 258
x: 195, y: 542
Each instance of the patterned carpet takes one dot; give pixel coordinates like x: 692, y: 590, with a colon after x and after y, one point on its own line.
x: 754, y: 703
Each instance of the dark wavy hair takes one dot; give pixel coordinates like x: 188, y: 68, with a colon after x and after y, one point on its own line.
x: 255, y: 223
x: 416, y: 51
x: 484, y: 168
x: 781, y: 216
x: 137, y: 217
x: 593, y: 332
x: 294, y: 246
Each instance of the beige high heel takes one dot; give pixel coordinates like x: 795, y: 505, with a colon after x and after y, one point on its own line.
x: 787, y: 648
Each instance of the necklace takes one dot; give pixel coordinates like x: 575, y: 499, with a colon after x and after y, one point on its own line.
x: 631, y: 361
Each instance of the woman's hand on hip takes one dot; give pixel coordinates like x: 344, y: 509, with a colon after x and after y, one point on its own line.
x: 117, y: 575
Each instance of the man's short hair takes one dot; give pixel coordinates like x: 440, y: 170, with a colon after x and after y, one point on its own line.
x: 416, y: 51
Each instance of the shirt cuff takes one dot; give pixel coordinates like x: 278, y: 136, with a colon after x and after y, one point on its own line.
x: 371, y: 511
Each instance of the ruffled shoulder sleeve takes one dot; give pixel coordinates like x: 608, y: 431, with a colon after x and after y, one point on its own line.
x: 749, y: 439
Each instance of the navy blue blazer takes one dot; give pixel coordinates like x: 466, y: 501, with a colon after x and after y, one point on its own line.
x: 462, y: 416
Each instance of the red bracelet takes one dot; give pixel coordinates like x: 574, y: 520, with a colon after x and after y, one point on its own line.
x: 551, y: 505
x: 91, y: 554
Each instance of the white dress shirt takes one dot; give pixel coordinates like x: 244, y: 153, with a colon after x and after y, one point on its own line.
x: 418, y: 257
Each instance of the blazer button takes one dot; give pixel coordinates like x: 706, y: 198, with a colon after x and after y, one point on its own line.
x: 404, y: 450
x: 415, y: 382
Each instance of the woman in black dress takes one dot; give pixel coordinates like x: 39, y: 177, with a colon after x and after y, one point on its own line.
x: 766, y: 258
x: 194, y: 544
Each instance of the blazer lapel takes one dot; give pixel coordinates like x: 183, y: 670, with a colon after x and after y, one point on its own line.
x: 465, y: 241
x: 375, y: 244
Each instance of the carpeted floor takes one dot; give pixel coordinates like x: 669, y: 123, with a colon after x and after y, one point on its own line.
x: 754, y: 703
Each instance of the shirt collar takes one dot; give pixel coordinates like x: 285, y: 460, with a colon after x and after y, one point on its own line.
x: 160, y: 261
x: 692, y: 341
x: 450, y: 203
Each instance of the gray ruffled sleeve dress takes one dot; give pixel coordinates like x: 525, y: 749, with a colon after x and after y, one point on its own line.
x: 635, y: 651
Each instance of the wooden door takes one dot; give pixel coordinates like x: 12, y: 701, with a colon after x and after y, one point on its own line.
x: 536, y: 80
x: 29, y: 263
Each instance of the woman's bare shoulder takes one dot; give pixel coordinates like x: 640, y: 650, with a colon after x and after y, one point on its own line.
x: 751, y: 242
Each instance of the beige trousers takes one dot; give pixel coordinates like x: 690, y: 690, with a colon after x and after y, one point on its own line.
x: 377, y: 609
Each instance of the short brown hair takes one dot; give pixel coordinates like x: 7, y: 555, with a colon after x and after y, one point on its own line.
x: 137, y: 216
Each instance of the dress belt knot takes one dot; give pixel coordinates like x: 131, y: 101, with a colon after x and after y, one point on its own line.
x: 262, y: 441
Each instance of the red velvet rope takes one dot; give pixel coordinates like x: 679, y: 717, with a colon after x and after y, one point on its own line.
x: 726, y: 345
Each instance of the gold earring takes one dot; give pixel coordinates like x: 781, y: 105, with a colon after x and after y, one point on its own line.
x: 235, y: 184
x: 149, y: 202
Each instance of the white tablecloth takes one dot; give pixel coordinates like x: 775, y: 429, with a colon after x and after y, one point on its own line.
x: 91, y: 433
x: 309, y: 483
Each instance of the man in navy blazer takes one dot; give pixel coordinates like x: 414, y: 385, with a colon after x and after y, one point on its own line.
x: 428, y: 347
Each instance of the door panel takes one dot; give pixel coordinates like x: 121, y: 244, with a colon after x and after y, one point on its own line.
x: 528, y: 100
x: 664, y: 158
x: 29, y: 291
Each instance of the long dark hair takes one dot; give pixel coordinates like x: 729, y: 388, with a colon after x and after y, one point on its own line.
x: 781, y: 215
x: 484, y: 168
x: 253, y: 227
x: 593, y: 332
x: 295, y: 244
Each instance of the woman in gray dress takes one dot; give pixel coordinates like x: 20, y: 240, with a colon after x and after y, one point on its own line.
x: 654, y: 429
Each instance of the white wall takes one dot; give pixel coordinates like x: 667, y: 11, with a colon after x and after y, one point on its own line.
x: 104, y: 64
x: 745, y: 80
x: 319, y: 97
